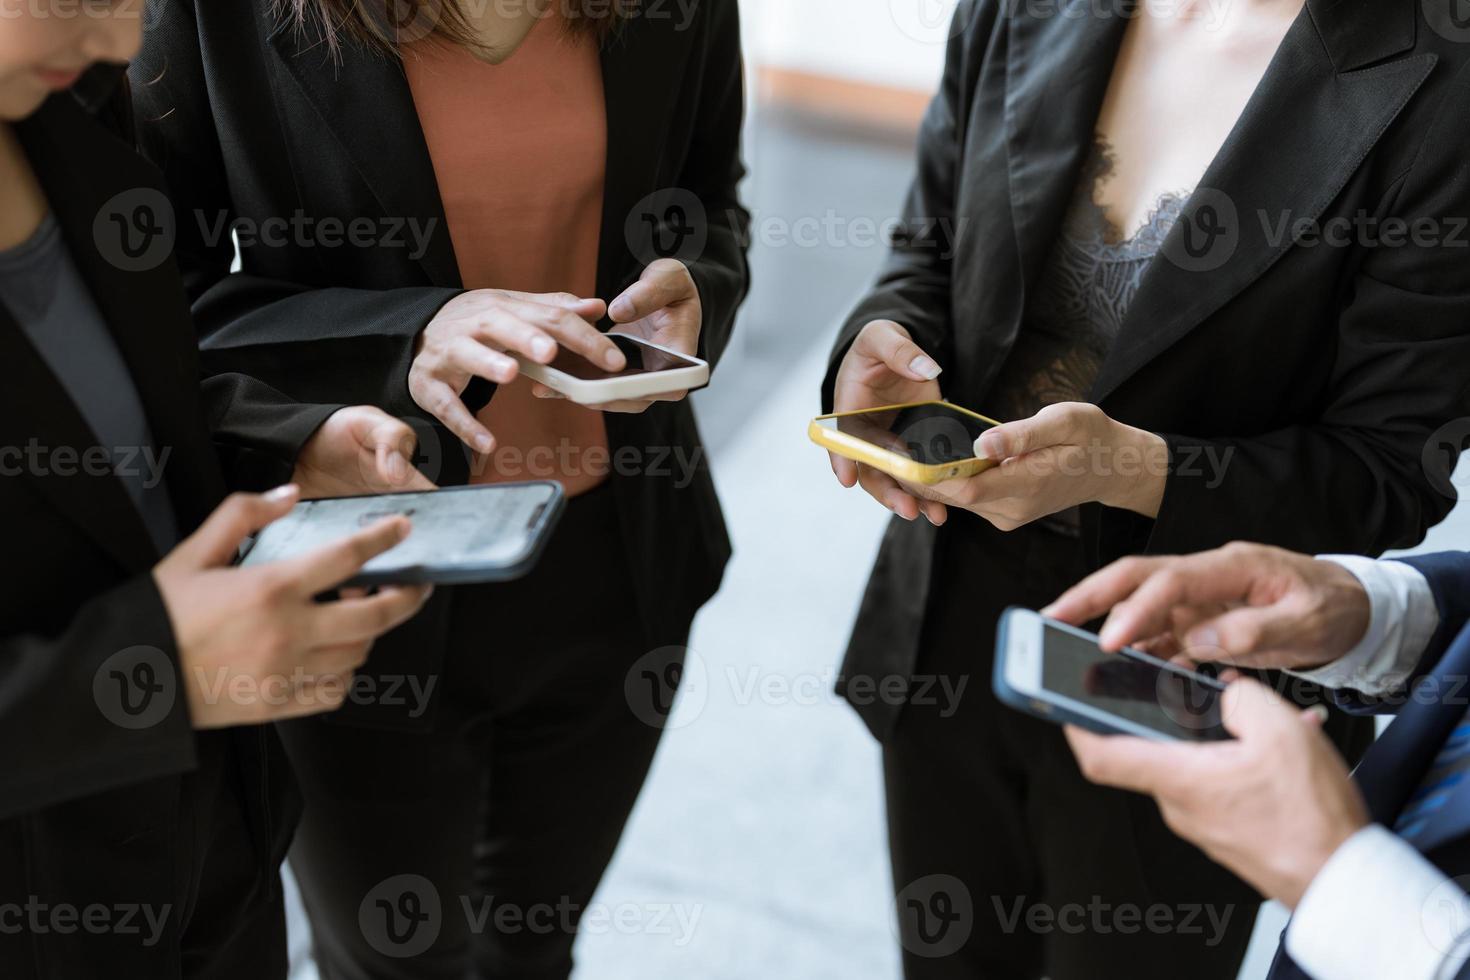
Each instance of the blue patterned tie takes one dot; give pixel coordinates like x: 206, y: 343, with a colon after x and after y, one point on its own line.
x: 1450, y: 766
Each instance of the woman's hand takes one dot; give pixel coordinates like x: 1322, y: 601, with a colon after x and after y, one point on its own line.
x: 473, y: 335
x: 885, y: 367
x: 1064, y: 455
x: 1272, y: 805
x: 254, y: 644
x: 663, y: 308
x: 358, y: 451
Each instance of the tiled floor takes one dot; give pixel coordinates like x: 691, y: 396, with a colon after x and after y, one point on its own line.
x: 757, y: 851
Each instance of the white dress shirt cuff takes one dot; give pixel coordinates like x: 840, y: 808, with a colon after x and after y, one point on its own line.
x: 1402, y: 620
x: 1379, y: 909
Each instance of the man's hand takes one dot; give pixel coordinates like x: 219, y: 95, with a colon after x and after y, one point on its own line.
x: 1244, y: 604
x: 254, y: 644
x: 885, y: 367
x: 1067, y: 454
x: 470, y: 338
x: 1272, y: 805
x: 359, y: 451
x: 663, y: 308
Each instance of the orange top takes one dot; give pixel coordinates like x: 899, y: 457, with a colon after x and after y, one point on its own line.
x: 520, y: 154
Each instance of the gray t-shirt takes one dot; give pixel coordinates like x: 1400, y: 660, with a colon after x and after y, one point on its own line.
x: 44, y: 292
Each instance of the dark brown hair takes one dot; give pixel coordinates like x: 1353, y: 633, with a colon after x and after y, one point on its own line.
x: 383, y: 25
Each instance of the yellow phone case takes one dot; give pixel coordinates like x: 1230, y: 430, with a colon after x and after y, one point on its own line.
x: 899, y: 467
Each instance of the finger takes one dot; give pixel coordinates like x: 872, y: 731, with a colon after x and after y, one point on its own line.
x: 1137, y: 764
x: 844, y: 469
x: 1251, y: 710
x: 636, y: 407
x: 587, y: 307
x: 393, y: 444
x: 357, y: 620
x: 442, y: 402
x: 1208, y: 578
x: 1250, y: 633
x: 469, y: 356
x: 537, y: 331
x: 934, y: 512
x: 539, y: 390
x: 884, y: 489
x: 1054, y: 425
x: 323, y: 693
x: 891, y: 344
x: 242, y: 514
x: 1101, y: 591
x: 328, y: 567
x: 666, y: 287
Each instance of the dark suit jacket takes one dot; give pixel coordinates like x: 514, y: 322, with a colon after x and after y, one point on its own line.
x: 101, y: 802
x: 251, y: 120
x: 1432, y: 706
x: 1301, y: 386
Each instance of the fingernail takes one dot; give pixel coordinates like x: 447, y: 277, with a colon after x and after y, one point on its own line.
x: 614, y: 358
x: 1206, y: 636
x: 281, y: 493
x: 621, y: 309
x: 925, y: 367
x: 542, y: 347
x: 991, y: 445
x: 1048, y: 610
x: 483, y: 443
x: 1318, y: 711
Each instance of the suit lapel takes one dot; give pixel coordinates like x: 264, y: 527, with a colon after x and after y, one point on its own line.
x: 1308, y: 126
x: 1057, y: 74
x: 365, y: 102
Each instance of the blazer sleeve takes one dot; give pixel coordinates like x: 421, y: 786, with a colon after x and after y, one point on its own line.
x: 712, y: 172
x: 913, y: 288
x: 1448, y: 575
x: 1372, y: 470
x: 63, y: 692
x: 250, y: 324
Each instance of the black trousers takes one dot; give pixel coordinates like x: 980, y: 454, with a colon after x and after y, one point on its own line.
x: 162, y: 880
x: 473, y: 849
x: 1007, y: 863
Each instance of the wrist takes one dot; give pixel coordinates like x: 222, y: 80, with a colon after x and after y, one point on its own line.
x: 1139, y: 473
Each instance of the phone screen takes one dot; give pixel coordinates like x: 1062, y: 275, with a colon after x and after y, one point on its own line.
x: 642, y: 359
x: 931, y: 435
x: 1162, y: 697
x: 482, y: 526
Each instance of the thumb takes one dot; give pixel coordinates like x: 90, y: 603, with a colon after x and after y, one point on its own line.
x: 1250, y: 710
x: 890, y: 343
x: 241, y: 515
x: 392, y: 444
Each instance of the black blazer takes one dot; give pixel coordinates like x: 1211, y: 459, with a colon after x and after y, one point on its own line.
x: 251, y: 120
x: 98, y: 804
x: 1326, y: 371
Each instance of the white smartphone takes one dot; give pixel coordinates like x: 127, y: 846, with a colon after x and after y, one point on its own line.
x: 1059, y: 673
x: 460, y: 536
x: 652, y: 370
